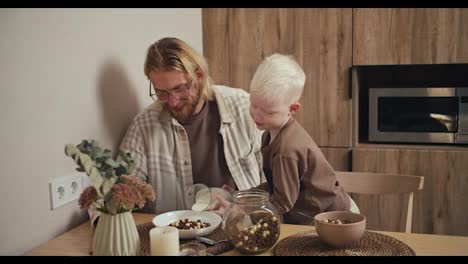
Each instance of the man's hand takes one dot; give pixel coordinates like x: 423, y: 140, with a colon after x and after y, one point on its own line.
x: 228, y: 189
x: 221, y: 205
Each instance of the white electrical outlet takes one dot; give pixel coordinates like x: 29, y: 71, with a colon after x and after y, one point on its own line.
x: 86, y: 181
x: 65, y: 189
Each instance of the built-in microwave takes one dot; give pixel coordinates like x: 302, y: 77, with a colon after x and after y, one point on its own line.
x: 419, y: 115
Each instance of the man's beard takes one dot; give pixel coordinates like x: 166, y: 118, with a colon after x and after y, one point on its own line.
x: 186, y: 113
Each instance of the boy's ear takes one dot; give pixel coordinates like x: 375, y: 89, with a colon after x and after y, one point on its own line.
x: 294, y: 107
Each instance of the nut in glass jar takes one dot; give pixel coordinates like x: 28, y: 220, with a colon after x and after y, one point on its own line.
x: 252, y: 223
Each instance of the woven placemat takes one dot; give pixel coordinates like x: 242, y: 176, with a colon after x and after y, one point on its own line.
x: 370, y: 244
x: 217, y: 234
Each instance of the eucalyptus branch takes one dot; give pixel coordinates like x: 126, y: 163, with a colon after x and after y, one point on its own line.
x: 84, y: 161
x: 114, y: 190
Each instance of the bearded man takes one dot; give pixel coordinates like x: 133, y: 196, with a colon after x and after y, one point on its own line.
x: 194, y: 132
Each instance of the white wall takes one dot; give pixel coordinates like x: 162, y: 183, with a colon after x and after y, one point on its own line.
x: 68, y: 75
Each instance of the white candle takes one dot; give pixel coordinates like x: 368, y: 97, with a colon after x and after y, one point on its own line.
x: 164, y: 241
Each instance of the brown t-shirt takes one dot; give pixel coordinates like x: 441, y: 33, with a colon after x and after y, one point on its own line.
x: 300, y: 179
x: 206, y: 148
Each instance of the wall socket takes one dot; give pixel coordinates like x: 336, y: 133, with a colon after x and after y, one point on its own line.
x: 66, y: 189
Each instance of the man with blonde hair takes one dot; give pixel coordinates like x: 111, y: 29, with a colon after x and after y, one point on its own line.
x: 194, y: 132
x: 300, y: 180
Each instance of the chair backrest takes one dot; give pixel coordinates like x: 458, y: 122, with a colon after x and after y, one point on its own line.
x: 380, y: 183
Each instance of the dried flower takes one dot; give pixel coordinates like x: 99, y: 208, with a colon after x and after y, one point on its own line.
x: 123, y: 197
x: 145, y: 189
x: 113, y: 190
x: 88, y: 197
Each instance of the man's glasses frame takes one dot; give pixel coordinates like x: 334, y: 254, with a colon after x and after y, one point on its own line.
x: 163, y: 96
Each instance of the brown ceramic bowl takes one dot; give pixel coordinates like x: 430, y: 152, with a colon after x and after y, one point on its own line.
x: 340, y: 235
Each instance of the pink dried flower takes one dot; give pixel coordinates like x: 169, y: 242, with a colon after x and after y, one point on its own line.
x: 87, y: 197
x: 127, y: 194
x: 124, y: 196
x: 142, y: 187
x: 140, y: 201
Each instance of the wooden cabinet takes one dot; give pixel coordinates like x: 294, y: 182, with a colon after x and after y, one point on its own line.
x: 319, y: 39
x: 414, y: 36
x: 410, y: 35
x: 216, y: 43
x: 339, y: 158
x: 440, y: 208
x: 255, y: 34
x: 327, y: 42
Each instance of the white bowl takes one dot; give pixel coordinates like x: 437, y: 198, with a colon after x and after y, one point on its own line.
x: 170, y: 217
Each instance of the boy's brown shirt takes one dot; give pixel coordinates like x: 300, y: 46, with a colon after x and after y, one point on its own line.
x: 299, y: 177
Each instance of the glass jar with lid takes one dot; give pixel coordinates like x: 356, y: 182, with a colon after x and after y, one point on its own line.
x: 252, y: 222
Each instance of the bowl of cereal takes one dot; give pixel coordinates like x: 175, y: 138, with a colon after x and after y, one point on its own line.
x: 340, y: 228
x: 190, y: 223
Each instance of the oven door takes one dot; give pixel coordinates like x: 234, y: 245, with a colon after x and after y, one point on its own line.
x: 414, y: 115
x: 462, y: 135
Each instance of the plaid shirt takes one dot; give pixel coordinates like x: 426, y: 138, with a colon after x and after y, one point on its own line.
x: 162, y: 149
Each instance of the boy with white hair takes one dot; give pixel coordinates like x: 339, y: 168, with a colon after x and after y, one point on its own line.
x: 300, y: 181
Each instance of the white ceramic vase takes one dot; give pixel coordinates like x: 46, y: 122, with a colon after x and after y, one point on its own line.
x: 116, y: 235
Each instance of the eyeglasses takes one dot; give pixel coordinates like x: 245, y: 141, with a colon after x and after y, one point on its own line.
x: 163, y: 96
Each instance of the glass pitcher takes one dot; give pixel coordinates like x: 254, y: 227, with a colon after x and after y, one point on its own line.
x: 202, y: 198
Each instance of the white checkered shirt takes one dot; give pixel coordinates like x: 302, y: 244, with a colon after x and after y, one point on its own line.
x: 162, y: 149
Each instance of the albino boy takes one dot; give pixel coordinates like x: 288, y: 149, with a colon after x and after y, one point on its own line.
x: 300, y: 181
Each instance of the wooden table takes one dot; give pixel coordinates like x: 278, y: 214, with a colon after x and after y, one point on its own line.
x: 76, y: 241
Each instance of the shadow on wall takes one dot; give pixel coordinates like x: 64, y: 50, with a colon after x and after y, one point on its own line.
x: 76, y: 219
x: 118, y: 99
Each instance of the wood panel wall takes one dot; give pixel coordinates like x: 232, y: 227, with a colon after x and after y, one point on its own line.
x: 410, y: 35
x: 319, y: 39
x: 339, y: 158
x: 440, y: 208
x: 327, y: 51
x: 216, y: 43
